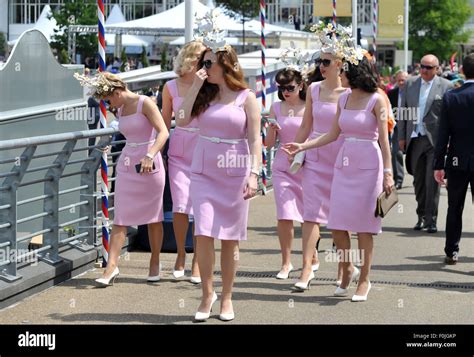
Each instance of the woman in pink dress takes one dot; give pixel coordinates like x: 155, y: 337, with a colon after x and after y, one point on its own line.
x: 362, y: 170
x: 321, y: 103
x: 139, y: 190
x: 287, y: 187
x: 225, y: 167
x: 183, y: 140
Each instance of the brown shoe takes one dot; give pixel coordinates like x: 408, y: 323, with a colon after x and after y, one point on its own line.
x: 451, y: 260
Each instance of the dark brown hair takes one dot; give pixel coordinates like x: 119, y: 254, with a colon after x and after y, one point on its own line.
x: 286, y: 76
x: 233, y: 76
x: 361, y: 76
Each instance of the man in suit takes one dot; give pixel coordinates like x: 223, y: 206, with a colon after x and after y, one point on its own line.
x: 418, y: 131
x: 456, y: 129
x: 155, y: 94
x: 395, y: 96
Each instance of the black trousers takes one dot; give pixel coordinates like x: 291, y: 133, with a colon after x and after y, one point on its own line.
x: 457, y: 188
x: 426, y: 187
x: 397, y: 158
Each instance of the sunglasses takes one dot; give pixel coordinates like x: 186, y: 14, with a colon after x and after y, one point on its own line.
x: 324, y: 62
x: 423, y: 66
x: 207, y: 64
x: 289, y: 89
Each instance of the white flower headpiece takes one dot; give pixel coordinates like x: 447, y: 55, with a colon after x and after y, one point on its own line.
x: 98, y: 85
x: 294, y: 59
x: 210, y: 33
x: 338, y: 41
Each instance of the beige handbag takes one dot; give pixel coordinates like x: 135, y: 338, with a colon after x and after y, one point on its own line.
x: 386, y: 202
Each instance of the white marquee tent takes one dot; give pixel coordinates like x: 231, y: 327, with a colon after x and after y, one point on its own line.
x: 45, y: 25
x: 174, y: 19
x: 131, y: 42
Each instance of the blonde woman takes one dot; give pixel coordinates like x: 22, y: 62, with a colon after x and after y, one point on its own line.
x: 140, y: 178
x: 183, y: 140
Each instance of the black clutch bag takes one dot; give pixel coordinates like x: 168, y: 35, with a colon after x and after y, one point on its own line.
x: 385, y: 203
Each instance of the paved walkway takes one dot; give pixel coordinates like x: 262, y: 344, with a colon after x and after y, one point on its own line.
x: 411, y: 284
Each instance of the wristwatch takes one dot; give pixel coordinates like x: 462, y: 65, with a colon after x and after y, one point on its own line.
x: 150, y: 156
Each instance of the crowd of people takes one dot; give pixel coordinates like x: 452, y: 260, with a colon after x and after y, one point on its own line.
x: 351, y: 130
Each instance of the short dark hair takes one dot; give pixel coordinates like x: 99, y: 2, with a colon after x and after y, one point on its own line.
x: 286, y: 76
x: 468, y: 66
x: 361, y: 76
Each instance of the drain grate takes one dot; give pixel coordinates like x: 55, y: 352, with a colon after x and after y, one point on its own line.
x: 271, y: 275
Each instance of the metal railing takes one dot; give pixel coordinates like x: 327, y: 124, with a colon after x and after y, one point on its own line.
x: 59, y: 167
x: 47, y: 171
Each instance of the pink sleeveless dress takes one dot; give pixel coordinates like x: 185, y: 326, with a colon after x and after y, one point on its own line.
x: 138, y: 198
x: 318, y: 168
x: 182, y: 143
x: 219, y: 172
x: 358, y: 172
x: 287, y: 186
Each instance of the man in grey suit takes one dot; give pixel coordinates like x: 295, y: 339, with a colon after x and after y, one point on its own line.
x: 417, y: 135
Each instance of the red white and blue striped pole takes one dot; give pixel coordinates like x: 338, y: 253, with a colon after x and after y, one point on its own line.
x: 334, y: 13
x: 264, y: 96
x: 103, y: 124
x: 375, y: 24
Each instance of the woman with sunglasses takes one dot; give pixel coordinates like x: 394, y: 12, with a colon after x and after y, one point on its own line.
x: 321, y: 103
x: 287, y: 186
x: 225, y: 167
x: 362, y: 170
x: 183, y: 140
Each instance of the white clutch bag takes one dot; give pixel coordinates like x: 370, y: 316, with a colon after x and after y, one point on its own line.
x: 297, y: 162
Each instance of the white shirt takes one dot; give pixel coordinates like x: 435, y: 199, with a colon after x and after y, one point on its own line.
x: 424, y: 93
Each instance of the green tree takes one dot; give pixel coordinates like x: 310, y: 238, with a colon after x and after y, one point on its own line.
x: 245, y: 9
x: 74, y: 12
x: 123, y: 59
x: 3, y: 44
x: 144, y: 58
x: 164, y: 58
x: 63, y: 57
x: 442, y: 22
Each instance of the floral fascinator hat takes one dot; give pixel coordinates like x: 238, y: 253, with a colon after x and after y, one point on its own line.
x: 209, y: 32
x: 338, y: 41
x: 294, y: 59
x: 98, y: 85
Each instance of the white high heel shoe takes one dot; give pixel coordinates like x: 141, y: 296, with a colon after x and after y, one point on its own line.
x: 107, y: 281
x: 154, y: 279
x: 301, y: 285
x: 178, y: 274
x: 284, y: 276
x: 195, y: 280
x: 343, y: 291
x: 227, y: 317
x: 358, y: 298
x: 203, y: 316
